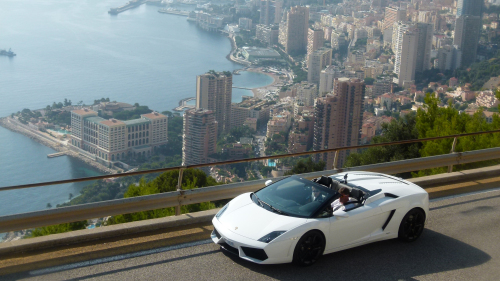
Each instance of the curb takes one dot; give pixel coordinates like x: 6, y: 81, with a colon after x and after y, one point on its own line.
x: 112, y: 231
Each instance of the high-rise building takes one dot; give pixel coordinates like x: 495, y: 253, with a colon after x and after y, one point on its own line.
x: 424, y: 47
x: 315, y: 40
x: 411, y: 44
x: 338, y: 119
x: 278, y: 11
x: 113, y: 140
x: 267, y: 12
x: 470, y: 8
x: 199, y: 138
x: 214, y: 92
x: 391, y: 16
x: 296, y: 32
x: 467, y: 32
x: 468, y: 29
x: 449, y: 57
x: 267, y: 34
x: 316, y: 62
x: 245, y: 23
x: 326, y: 78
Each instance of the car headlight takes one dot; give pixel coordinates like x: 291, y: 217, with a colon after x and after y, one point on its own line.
x: 222, y: 211
x: 271, y: 236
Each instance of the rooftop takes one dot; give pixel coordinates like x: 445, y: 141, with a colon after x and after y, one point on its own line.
x: 153, y: 115
x: 112, y: 123
x: 84, y: 111
x: 136, y: 122
x: 95, y: 119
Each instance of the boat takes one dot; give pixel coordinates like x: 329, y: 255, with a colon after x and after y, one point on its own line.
x: 8, y: 53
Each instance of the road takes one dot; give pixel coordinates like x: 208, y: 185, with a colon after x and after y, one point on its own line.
x: 461, y: 242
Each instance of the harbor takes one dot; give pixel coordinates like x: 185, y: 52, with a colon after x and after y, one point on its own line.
x: 183, y: 104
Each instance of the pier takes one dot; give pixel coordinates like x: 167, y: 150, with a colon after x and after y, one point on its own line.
x: 183, y: 104
x: 56, y: 154
x: 173, y: 12
x: 234, y: 87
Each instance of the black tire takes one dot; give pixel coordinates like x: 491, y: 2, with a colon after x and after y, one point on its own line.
x: 309, y: 248
x: 412, y: 225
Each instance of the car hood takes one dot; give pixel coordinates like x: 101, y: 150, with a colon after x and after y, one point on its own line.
x: 253, y: 221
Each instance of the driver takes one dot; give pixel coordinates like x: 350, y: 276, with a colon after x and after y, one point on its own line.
x: 344, y: 198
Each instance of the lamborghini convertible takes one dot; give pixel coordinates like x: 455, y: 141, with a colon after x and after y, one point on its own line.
x: 298, y: 220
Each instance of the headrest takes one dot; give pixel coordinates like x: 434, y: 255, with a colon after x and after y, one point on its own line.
x: 328, y: 182
x: 356, y: 193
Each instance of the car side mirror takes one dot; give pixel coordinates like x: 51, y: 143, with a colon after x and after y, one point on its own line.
x: 341, y: 214
x: 268, y: 182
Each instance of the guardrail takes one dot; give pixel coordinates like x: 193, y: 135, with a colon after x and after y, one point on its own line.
x: 185, y: 197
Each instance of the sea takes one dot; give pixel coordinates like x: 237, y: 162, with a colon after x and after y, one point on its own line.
x: 75, y: 50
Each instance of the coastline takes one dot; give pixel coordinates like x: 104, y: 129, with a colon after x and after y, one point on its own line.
x: 259, y: 91
x: 45, y: 139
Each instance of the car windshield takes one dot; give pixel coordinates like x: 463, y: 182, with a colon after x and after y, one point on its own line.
x: 294, y: 196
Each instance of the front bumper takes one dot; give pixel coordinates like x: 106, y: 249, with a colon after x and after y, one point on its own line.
x: 249, y: 249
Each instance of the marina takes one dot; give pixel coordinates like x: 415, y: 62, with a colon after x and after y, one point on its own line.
x: 183, y: 104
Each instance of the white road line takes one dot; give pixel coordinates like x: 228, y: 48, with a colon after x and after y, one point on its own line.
x: 465, y: 195
x: 117, y: 258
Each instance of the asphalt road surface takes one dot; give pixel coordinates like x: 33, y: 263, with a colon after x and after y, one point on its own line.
x: 461, y: 242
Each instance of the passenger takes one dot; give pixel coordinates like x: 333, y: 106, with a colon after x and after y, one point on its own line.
x: 317, y: 195
x: 344, y: 198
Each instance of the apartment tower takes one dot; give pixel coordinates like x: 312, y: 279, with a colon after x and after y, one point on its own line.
x: 199, y: 138
x: 338, y: 119
x: 214, y: 92
x: 316, y: 62
x: 468, y: 29
x: 296, y: 30
x: 391, y: 16
x: 411, y: 44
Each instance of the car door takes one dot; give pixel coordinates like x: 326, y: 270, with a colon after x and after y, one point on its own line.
x: 356, y: 227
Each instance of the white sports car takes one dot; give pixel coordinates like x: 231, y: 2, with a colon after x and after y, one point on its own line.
x: 292, y: 220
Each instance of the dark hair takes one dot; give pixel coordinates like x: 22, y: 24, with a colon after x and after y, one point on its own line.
x: 344, y: 190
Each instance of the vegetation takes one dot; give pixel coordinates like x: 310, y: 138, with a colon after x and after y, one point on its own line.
x: 59, y: 228
x: 129, y: 114
x: 440, y: 121
x: 369, y: 81
x: 432, y: 122
x: 166, y: 182
x: 300, y: 74
x: 402, y: 129
x: 479, y: 73
x: 277, y: 144
x: 306, y: 166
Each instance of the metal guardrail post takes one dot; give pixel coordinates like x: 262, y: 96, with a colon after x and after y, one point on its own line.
x: 179, y: 188
x: 450, y: 168
x: 336, y: 159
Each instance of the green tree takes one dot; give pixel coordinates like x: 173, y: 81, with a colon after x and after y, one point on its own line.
x: 166, y: 182
x: 59, y: 228
x: 437, y: 121
x: 368, y: 80
x: 306, y: 166
x: 401, y: 129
